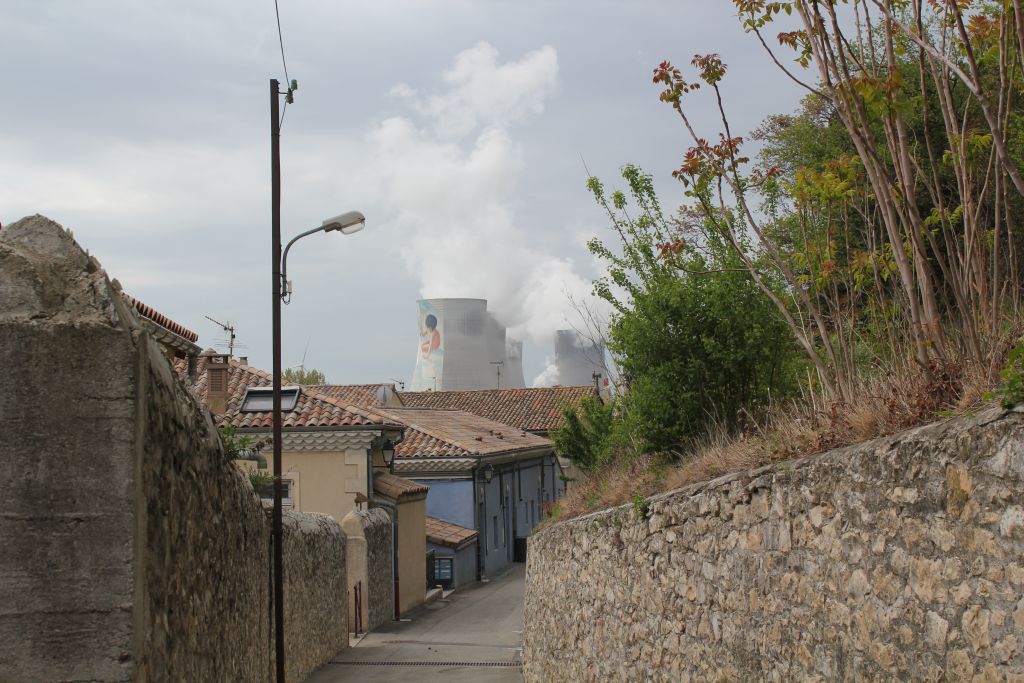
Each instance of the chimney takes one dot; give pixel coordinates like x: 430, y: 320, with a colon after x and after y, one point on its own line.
x: 243, y: 361
x: 216, y: 381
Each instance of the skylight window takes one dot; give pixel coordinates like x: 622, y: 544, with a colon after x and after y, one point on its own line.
x: 261, y: 399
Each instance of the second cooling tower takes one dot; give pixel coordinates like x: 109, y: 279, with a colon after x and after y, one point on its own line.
x: 461, y: 346
x: 577, y: 358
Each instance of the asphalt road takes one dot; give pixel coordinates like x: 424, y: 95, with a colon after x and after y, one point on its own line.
x: 453, y: 639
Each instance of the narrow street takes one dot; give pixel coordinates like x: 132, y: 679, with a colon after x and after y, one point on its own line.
x: 473, y: 635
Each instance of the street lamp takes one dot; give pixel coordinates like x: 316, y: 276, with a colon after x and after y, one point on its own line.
x: 346, y: 224
x: 488, y: 473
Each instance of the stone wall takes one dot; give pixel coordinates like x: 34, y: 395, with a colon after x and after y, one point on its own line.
x: 132, y: 548
x: 68, y: 461
x: 898, y: 559
x: 380, y: 590
x: 315, y: 592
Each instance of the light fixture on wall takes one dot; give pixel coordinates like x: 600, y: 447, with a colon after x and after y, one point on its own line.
x: 387, y: 451
x: 488, y: 472
x: 554, y: 458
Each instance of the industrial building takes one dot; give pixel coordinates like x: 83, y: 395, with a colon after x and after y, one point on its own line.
x: 462, y: 347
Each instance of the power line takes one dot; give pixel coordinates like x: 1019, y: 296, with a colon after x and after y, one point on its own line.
x: 280, y: 41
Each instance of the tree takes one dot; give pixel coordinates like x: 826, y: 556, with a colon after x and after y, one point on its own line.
x: 304, y: 377
x: 697, y: 341
x: 584, y: 434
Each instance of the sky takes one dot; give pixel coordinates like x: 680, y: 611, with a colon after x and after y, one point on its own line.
x: 463, y: 130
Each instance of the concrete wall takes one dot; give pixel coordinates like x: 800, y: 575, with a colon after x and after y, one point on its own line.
x: 464, y: 562
x: 133, y: 549
x: 368, y: 559
x: 899, y: 559
x: 451, y: 500
x: 412, y: 552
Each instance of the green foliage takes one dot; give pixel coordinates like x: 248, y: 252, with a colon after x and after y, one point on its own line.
x: 641, y: 505
x: 263, y: 482
x: 1011, y: 385
x: 303, y: 376
x: 584, y: 434
x: 697, y: 342
x: 233, y: 442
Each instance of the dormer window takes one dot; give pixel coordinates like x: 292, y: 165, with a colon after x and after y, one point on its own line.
x: 261, y: 399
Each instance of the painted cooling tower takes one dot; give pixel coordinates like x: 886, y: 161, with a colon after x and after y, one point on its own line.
x: 577, y: 359
x: 460, y: 344
x: 512, y: 373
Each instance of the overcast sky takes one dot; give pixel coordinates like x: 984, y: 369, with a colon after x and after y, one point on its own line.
x: 459, y: 128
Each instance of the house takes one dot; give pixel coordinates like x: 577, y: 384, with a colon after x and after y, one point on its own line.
x: 406, y: 499
x: 454, y: 551
x: 332, y: 454
x: 536, y: 410
x: 482, y: 475
x: 177, y: 341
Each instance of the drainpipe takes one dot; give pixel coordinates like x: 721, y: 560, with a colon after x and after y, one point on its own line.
x: 482, y: 529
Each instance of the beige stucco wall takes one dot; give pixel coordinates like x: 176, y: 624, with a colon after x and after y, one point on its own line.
x: 412, y: 552
x: 325, y: 481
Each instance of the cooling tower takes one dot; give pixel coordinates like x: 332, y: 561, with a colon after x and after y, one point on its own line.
x: 460, y: 344
x: 512, y: 373
x: 577, y: 359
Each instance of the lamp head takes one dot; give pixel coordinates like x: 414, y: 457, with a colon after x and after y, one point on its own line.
x: 347, y: 223
x: 388, y: 452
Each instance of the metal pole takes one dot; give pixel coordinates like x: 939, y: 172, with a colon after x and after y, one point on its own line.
x: 275, y: 229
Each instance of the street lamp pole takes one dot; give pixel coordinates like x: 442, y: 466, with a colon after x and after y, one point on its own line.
x: 275, y: 230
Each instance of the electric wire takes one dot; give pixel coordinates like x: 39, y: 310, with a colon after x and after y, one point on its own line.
x: 280, y: 41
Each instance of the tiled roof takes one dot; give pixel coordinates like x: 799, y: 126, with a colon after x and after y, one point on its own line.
x: 455, y: 433
x: 536, y: 410
x: 440, y: 532
x: 395, y: 487
x: 408, y: 467
x: 312, y: 410
x: 353, y: 394
x: 162, y: 320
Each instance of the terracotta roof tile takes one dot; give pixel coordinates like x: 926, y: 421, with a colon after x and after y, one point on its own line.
x: 312, y: 409
x: 395, y: 487
x: 353, y: 394
x: 456, y: 433
x: 440, y: 532
x: 536, y: 410
x: 162, y: 320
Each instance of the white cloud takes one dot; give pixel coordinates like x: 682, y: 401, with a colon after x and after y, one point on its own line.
x: 483, y: 92
x: 449, y: 172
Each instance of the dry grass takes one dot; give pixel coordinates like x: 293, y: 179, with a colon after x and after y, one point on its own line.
x: 883, y: 406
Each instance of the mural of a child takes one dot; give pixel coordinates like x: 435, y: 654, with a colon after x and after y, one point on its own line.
x: 432, y: 336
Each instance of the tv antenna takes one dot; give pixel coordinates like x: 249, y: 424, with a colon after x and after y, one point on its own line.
x: 229, y: 328
x: 400, y: 383
x: 497, y: 366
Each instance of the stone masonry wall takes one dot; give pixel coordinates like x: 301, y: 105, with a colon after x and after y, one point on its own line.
x: 133, y: 549
x: 379, y: 548
x: 315, y: 592
x: 898, y: 559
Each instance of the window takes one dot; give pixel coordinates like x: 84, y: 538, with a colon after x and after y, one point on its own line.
x: 261, y: 399
x: 286, y: 493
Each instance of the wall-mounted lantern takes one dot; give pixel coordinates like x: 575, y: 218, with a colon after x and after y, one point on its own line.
x: 488, y: 472
x: 387, y: 451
